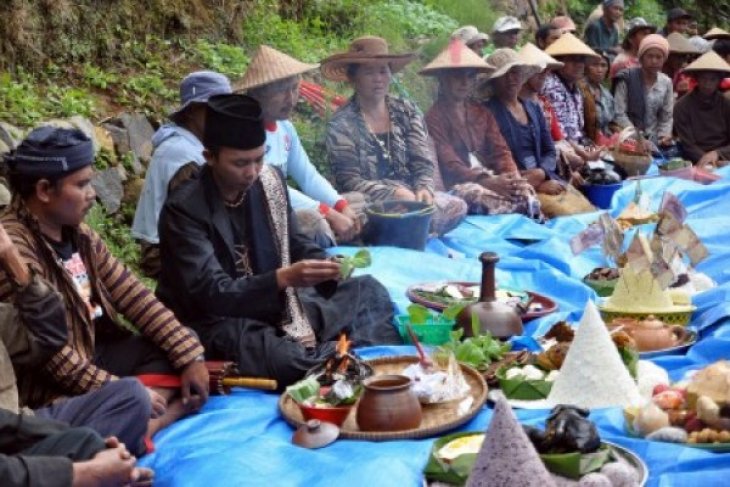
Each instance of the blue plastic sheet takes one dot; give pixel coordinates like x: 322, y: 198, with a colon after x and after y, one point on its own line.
x: 241, y: 440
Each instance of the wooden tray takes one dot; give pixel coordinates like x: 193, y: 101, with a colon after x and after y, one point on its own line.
x: 548, y: 305
x: 437, y: 418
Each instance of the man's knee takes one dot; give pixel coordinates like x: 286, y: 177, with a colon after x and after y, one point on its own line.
x: 129, y: 394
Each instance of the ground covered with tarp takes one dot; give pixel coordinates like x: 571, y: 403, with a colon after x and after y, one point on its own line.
x: 241, y: 439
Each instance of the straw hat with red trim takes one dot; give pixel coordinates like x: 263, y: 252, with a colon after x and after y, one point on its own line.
x: 710, y: 61
x: 456, y: 56
x: 569, y: 45
x: 533, y: 55
x: 268, y: 66
x: 716, y: 33
x: 363, y: 50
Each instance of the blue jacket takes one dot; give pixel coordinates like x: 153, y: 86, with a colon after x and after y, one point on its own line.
x: 544, y: 151
x: 173, y: 148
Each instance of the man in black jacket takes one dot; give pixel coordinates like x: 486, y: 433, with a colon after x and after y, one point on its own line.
x: 236, y: 269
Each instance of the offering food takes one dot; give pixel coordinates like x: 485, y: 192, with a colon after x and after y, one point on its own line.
x: 329, y: 390
x: 449, y: 294
x: 434, y: 385
x: 697, y: 413
x: 568, y: 452
x: 593, y: 374
x: 478, y: 351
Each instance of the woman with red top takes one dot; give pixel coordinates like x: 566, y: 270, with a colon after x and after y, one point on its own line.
x: 473, y: 157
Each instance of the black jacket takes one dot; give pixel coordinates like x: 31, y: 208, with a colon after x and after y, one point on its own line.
x: 198, y: 273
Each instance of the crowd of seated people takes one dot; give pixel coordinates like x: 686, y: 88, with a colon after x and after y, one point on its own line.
x: 234, y: 217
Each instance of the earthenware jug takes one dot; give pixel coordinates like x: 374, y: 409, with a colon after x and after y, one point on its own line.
x: 388, y: 403
x: 500, y: 319
x: 651, y: 333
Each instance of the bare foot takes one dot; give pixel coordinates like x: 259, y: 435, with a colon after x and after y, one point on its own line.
x: 175, y: 410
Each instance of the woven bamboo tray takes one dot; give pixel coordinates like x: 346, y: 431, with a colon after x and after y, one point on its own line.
x: 437, y: 418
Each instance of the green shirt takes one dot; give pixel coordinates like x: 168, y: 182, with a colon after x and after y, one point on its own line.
x: 600, y: 37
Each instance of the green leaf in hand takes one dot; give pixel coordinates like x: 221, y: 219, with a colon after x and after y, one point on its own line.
x: 361, y: 259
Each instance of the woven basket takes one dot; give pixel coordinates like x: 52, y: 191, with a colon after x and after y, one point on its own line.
x: 670, y: 318
x: 633, y: 165
x: 437, y: 418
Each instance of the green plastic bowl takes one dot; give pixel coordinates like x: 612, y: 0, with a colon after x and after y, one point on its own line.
x: 436, y: 331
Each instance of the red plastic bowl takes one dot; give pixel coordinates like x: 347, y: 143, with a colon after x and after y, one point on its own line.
x: 335, y: 414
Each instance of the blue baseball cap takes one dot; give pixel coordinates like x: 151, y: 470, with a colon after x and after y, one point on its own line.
x: 199, y: 86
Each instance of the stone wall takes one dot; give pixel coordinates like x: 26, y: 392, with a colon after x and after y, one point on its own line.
x: 123, y: 148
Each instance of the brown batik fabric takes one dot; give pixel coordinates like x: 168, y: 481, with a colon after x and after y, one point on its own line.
x: 297, y: 325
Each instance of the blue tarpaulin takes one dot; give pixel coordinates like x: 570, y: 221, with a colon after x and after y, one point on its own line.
x: 241, y: 440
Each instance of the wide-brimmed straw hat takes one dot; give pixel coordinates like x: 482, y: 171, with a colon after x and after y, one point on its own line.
x: 456, y: 56
x: 710, y: 61
x: 716, y: 33
x: 679, y: 44
x: 569, y: 45
x: 268, y: 66
x: 363, y: 50
x: 505, y: 59
x: 533, y: 55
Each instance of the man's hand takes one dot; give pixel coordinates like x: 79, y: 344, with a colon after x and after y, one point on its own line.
x: 111, y: 467
x: 306, y: 273
x: 195, y: 383
x: 424, y: 195
x: 11, y: 261
x: 550, y: 187
x: 159, y: 403
x: 345, y: 228
x: 709, y: 159
x: 405, y: 194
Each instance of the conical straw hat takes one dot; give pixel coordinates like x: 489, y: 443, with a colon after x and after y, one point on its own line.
x: 363, y: 50
x: 269, y: 65
x: 508, y: 457
x: 717, y: 33
x: 569, y: 45
x: 710, y: 61
x: 679, y: 44
x: 533, y: 55
x: 456, y: 56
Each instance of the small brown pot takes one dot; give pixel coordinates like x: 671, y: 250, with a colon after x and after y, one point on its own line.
x: 388, y: 404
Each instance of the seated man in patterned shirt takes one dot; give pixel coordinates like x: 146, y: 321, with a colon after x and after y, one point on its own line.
x: 50, y: 174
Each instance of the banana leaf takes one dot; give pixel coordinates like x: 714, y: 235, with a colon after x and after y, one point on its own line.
x: 455, y: 472
x: 525, y: 390
x: 575, y: 465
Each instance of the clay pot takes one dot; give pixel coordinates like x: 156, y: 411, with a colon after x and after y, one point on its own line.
x: 651, y: 333
x: 388, y: 404
x: 500, y: 319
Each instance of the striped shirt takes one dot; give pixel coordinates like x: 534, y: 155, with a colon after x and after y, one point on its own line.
x: 115, y: 289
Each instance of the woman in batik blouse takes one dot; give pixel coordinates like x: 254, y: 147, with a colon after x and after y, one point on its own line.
x: 378, y: 144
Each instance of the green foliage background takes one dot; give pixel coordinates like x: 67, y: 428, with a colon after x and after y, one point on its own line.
x: 61, y: 58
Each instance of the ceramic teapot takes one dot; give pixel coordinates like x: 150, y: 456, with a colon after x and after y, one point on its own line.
x: 651, y: 333
x: 500, y: 319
